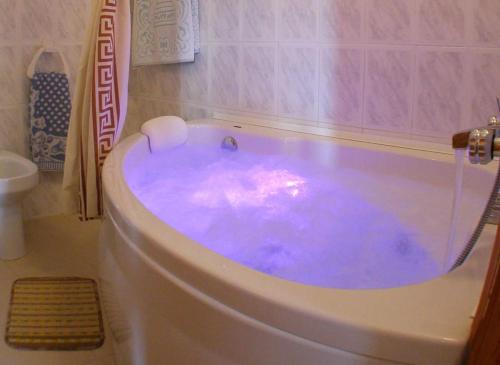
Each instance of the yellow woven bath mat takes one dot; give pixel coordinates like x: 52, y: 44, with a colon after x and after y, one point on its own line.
x: 54, y: 314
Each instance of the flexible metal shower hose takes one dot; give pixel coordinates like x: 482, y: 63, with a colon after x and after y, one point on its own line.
x: 480, y: 226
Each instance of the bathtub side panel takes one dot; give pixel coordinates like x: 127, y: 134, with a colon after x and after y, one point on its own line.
x: 155, y: 320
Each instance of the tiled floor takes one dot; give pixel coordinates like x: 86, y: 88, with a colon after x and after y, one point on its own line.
x: 57, y: 246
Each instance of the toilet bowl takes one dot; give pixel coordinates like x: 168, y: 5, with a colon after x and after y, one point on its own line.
x: 18, y: 176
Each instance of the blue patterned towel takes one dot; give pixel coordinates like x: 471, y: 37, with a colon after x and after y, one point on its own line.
x: 50, y: 111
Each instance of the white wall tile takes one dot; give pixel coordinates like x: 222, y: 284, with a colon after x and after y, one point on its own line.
x: 365, y: 75
x: 194, y: 78
x: 10, y: 76
x: 389, y: 20
x: 134, y: 119
x: 440, y: 98
x: 341, y: 20
x: 69, y: 19
x: 388, y: 89
x: 158, y: 80
x: 258, y: 79
x: 161, y: 81
x: 14, y: 130
x: 36, y: 13
x: 224, y: 73
x: 297, y: 19
x: 258, y: 20
x: 224, y: 20
x: 24, y: 26
x: 133, y: 82
x: 8, y: 20
x: 297, y: 81
x: 191, y: 112
x: 442, y: 21
x: 341, y: 86
x: 361, y: 77
x: 204, y: 14
x: 73, y: 55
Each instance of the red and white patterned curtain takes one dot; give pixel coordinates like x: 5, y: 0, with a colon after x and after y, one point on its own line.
x: 99, y: 105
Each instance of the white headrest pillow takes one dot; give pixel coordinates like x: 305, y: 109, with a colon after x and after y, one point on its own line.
x: 165, y: 132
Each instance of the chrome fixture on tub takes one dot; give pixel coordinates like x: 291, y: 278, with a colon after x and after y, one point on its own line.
x: 483, y: 143
x: 229, y: 143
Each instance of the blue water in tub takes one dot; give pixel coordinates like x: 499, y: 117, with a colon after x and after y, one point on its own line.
x: 284, y: 217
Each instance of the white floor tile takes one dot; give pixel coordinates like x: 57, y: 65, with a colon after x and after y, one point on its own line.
x: 57, y: 246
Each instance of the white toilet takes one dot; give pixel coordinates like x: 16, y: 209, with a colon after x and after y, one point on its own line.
x: 18, y: 176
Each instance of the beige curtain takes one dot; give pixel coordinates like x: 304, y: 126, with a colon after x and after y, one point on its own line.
x: 99, y: 105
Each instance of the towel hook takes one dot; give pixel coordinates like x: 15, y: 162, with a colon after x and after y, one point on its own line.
x: 47, y: 49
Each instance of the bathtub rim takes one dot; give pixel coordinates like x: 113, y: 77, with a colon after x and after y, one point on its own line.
x: 335, y: 318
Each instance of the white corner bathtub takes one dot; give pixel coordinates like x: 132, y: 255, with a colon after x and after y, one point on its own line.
x: 173, y: 297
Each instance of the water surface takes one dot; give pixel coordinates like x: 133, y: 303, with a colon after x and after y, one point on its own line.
x: 287, y: 217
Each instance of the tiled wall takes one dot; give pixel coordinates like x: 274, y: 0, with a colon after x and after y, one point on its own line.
x: 418, y: 68
x: 24, y: 26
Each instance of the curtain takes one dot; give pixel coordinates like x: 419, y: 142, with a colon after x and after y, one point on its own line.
x: 99, y: 106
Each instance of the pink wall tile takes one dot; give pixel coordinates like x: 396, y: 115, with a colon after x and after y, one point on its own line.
x: 297, y: 82
x: 224, y: 20
x: 258, y: 20
x: 341, y: 86
x: 385, y: 65
x: 297, y: 19
x: 224, y: 82
x: 204, y: 12
x: 441, y: 98
x: 485, y: 86
x: 486, y: 22
x: 389, y: 20
x: 442, y: 21
x: 388, y: 96
x: 341, y: 20
x: 258, y: 79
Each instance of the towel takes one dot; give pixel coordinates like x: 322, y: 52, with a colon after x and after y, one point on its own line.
x: 50, y: 110
x: 195, y: 9
x: 165, y: 31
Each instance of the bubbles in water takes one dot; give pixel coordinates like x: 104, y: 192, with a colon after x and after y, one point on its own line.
x: 244, y: 188
x: 283, y: 217
x: 403, y: 245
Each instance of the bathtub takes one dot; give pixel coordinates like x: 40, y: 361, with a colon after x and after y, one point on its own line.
x: 170, y: 300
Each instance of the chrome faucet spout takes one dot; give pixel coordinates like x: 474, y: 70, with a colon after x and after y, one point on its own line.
x: 483, y: 143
